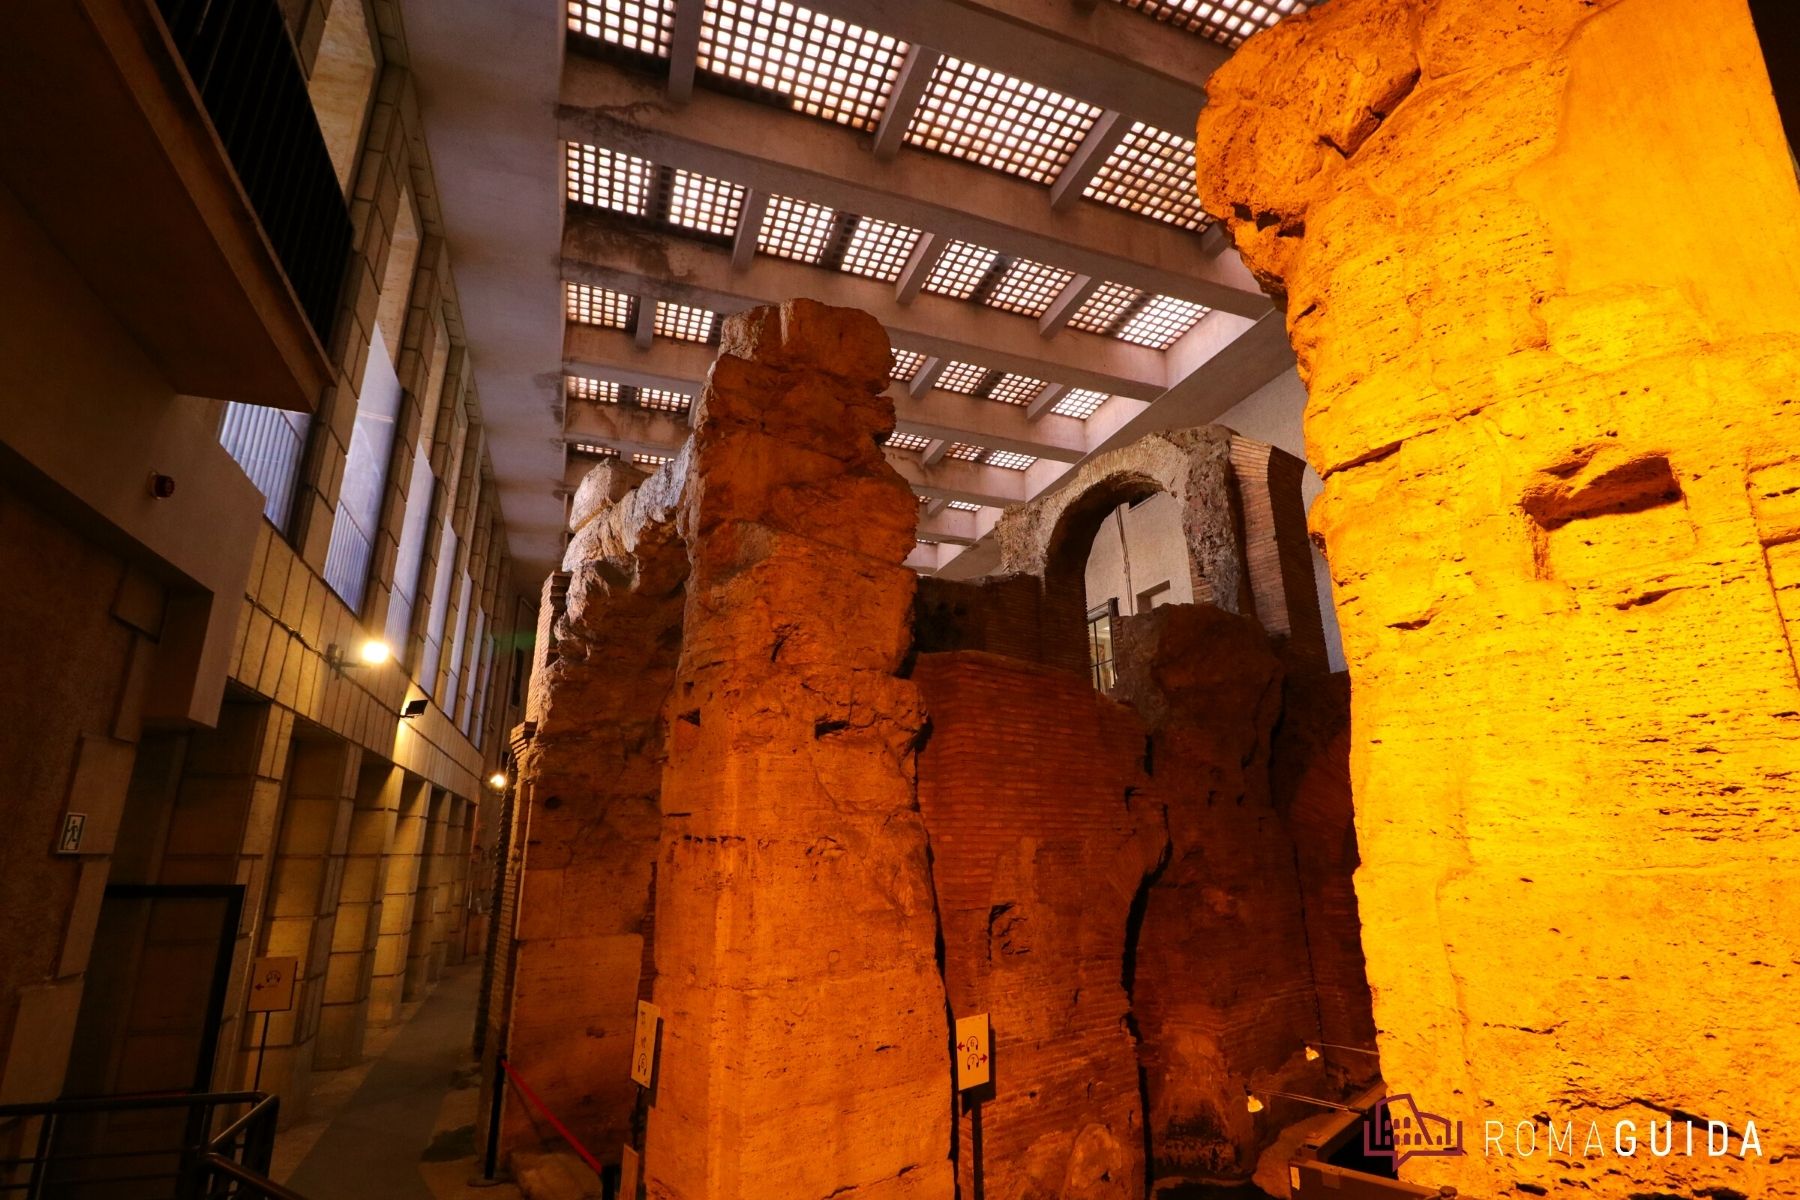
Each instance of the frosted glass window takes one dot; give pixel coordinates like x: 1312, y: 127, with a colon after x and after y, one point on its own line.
x: 365, y: 476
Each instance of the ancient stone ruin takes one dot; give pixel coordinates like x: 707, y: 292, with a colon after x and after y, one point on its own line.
x: 815, y: 809
x: 1541, y: 265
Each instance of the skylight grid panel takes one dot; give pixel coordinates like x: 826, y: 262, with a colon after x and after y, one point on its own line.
x: 1103, y: 310
x: 962, y: 377
x: 1151, y: 172
x: 593, y: 448
x: 1028, y: 288
x: 608, y: 179
x: 1009, y: 460
x: 1079, y: 403
x: 906, y: 441
x: 1161, y: 322
x: 1016, y: 389
x: 597, y: 306
x: 879, y: 249
x: 595, y: 391
x: 704, y: 204
x: 643, y: 26
x: 964, y: 506
x: 652, y: 460
x: 990, y: 118
x: 960, y: 270
x: 821, y: 66
x: 1227, y: 22
x: 964, y: 452
x: 684, y: 323
x: 663, y: 400
x: 796, y: 229
x: 905, y: 365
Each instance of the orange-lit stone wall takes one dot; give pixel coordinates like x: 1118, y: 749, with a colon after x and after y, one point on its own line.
x: 589, y: 776
x: 805, y: 1048
x: 1044, y: 828
x: 1542, y: 270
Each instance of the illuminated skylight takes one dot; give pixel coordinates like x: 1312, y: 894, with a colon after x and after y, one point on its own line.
x: 986, y: 117
x: 1151, y: 172
x: 1159, y: 323
x: 1227, y: 22
x: 906, y: 364
x: 960, y: 270
x: 652, y: 460
x: 594, y: 449
x: 607, y: 179
x: 963, y: 506
x: 1079, y: 403
x: 685, y: 323
x: 964, y: 452
x: 628, y: 24
x: 1028, y: 287
x: 906, y: 441
x: 597, y: 306
x: 796, y: 229
x: 879, y: 249
x: 662, y: 399
x: 598, y: 391
x: 705, y: 204
x: 962, y: 377
x: 815, y: 64
x: 1106, y: 309
x: 1016, y: 389
x: 1009, y: 460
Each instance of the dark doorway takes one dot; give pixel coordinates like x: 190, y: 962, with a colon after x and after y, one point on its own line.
x: 155, y: 991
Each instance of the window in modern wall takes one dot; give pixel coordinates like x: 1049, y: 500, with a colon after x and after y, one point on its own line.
x: 452, y: 692
x: 420, y: 492
x: 1100, y: 644
x: 343, y: 84
x: 267, y: 443
x: 465, y: 705
x: 440, y: 607
x: 372, y: 438
x: 365, y: 476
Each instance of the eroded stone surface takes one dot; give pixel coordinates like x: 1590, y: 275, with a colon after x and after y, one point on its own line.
x: 1542, y: 262
x: 1044, y: 828
x: 1222, y: 987
x: 805, y: 1042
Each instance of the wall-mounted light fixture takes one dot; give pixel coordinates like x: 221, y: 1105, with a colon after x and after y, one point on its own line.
x: 413, y: 708
x: 1313, y: 1048
x: 372, y: 652
x: 498, y: 781
x: 1253, y: 1100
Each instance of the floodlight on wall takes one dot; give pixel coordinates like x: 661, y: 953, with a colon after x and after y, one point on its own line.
x: 1253, y: 1100
x: 372, y: 652
x: 498, y: 781
x: 413, y: 708
x: 1313, y: 1050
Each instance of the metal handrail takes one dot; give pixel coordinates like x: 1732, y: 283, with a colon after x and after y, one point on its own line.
x: 218, y: 1164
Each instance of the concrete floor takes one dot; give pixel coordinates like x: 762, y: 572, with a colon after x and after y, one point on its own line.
x: 400, y: 1126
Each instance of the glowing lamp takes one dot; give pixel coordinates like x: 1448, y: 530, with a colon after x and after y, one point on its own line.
x: 498, y: 781
x: 1253, y: 1104
x: 371, y: 652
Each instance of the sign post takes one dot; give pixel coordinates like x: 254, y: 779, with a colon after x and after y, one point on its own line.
x: 272, y: 983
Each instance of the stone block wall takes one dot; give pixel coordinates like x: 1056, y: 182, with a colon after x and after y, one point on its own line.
x: 1542, y: 271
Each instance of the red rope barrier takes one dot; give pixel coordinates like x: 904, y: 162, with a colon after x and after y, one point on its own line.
x: 525, y: 1091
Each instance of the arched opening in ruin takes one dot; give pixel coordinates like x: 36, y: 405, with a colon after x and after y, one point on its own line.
x: 1088, y: 576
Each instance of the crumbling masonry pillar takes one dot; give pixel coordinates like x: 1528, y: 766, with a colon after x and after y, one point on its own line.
x: 805, y: 1047
x: 1542, y: 271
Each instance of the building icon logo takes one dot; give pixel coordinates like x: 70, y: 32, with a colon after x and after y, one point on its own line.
x: 1397, y: 1128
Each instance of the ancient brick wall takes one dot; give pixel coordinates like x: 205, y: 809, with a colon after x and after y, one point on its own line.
x: 1542, y: 271
x: 1222, y: 986
x: 1043, y: 830
x: 805, y: 1049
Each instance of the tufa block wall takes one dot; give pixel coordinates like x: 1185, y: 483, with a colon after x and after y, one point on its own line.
x: 1542, y: 270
